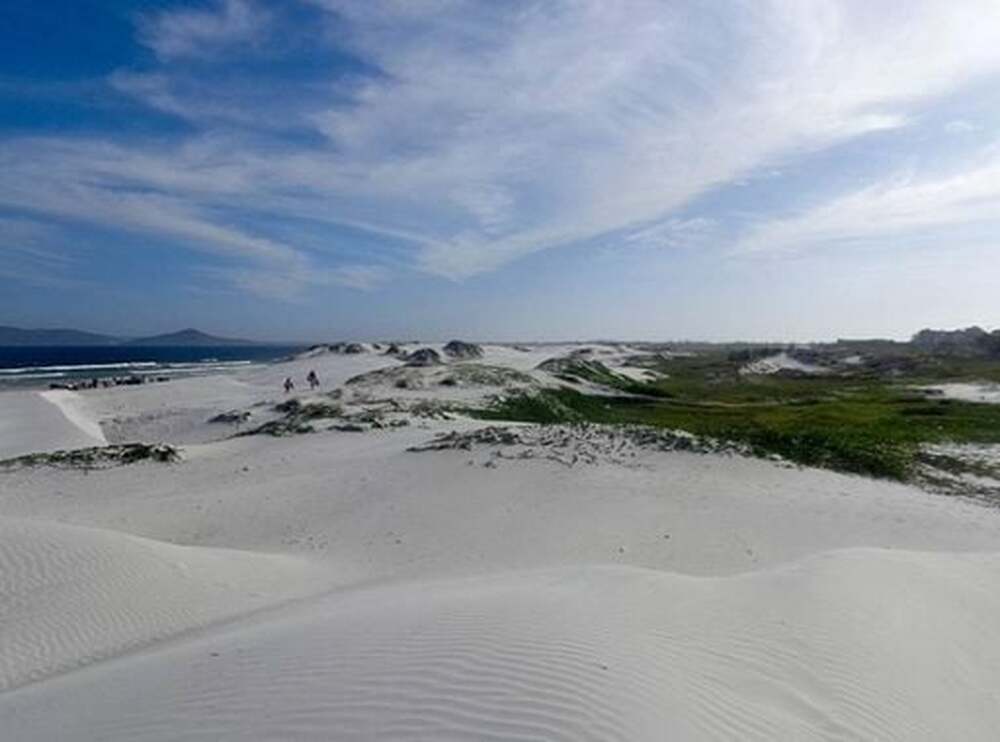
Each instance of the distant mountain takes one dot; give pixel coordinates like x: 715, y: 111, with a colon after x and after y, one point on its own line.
x: 188, y: 338
x: 16, y: 336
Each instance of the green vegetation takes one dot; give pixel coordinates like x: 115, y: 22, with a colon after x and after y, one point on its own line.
x: 862, y: 422
x: 297, y: 418
x: 98, y: 457
x: 575, y: 370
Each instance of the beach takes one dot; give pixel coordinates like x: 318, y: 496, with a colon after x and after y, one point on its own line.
x: 362, y: 561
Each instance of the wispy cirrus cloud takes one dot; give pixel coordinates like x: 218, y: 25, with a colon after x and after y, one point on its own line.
x: 899, y: 207
x: 474, y: 134
x: 205, y: 31
x: 696, y: 232
x: 30, y: 254
x: 586, y: 118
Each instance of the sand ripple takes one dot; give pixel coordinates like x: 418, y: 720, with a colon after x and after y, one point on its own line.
x: 858, y: 644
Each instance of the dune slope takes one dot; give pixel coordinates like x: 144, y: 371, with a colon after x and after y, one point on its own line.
x: 71, y: 595
x: 856, y: 644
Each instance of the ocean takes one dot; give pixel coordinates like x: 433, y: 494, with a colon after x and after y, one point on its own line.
x: 42, y: 366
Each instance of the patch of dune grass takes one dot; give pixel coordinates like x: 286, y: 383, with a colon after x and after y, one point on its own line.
x: 97, y: 457
x: 859, y: 426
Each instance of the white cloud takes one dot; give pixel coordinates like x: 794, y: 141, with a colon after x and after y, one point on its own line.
x: 494, y: 130
x: 32, y: 252
x: 176, y: 34
x: 897, y: 207
x: 361, y: 277
x: 674, y: 233
x: 961, y: 126
x: 588, y: 117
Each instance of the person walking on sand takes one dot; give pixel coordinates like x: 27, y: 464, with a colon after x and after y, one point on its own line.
x: 313, y: 380
x: 288, y: 384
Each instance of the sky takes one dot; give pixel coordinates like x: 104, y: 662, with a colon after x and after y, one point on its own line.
x: 519, y: 170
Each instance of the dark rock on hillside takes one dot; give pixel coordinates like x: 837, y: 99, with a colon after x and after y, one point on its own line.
x: 423, y: 357
x: 347, y: 348
x: 231, y: 417
x: 98, y: 457
x: 462, y: 351
x: 340, y: 348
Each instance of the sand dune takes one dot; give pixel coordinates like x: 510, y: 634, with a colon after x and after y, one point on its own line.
x: 864, y: 644
x: 586, y: 589
x: 72, y: 406
x: 72, y: 595
x: 778, y: 363
x: 31, y: 422
x: 985, y: 393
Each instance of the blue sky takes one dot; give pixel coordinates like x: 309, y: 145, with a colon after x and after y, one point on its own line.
x: 319, y: 169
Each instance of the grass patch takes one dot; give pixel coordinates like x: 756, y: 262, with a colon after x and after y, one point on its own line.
x: 574, y: 370
x: 852, y: 424
x: 98, y: 457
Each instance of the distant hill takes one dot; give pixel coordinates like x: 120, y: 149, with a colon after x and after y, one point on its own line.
x: 187, y: 338
x: 16, y: 336
x: 971, y: 341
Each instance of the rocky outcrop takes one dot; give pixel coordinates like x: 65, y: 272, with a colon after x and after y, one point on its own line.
x: 98, y: 457
x: 423, y: 357
x: 342, y: 348
x: 462, y: 351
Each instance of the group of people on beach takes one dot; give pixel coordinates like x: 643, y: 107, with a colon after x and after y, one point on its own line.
x: 311, y: 378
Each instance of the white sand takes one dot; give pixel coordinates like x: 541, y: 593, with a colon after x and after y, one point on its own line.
x: 984, y: 393
x: 781, y: 362
x: 35, y: 421
x: 634, y: 373
x: 459, y: 595
x: 72, y: 595
x: 849, y: 645
x: 73, y: 407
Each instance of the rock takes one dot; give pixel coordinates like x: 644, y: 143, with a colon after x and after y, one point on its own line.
x: 423, y: 357
x: 341, y: 348
x: 98, y: 457
x: 348, y: 428
x: 289, y: 406
x: 233, y: 417
x: 460, y: 350
x: 279, y: 428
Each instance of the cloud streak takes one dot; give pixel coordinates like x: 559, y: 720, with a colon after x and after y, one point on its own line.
x: 470, y: 135
x: 179, y: 34
x: 899, y: 207
x: 583, y: 118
